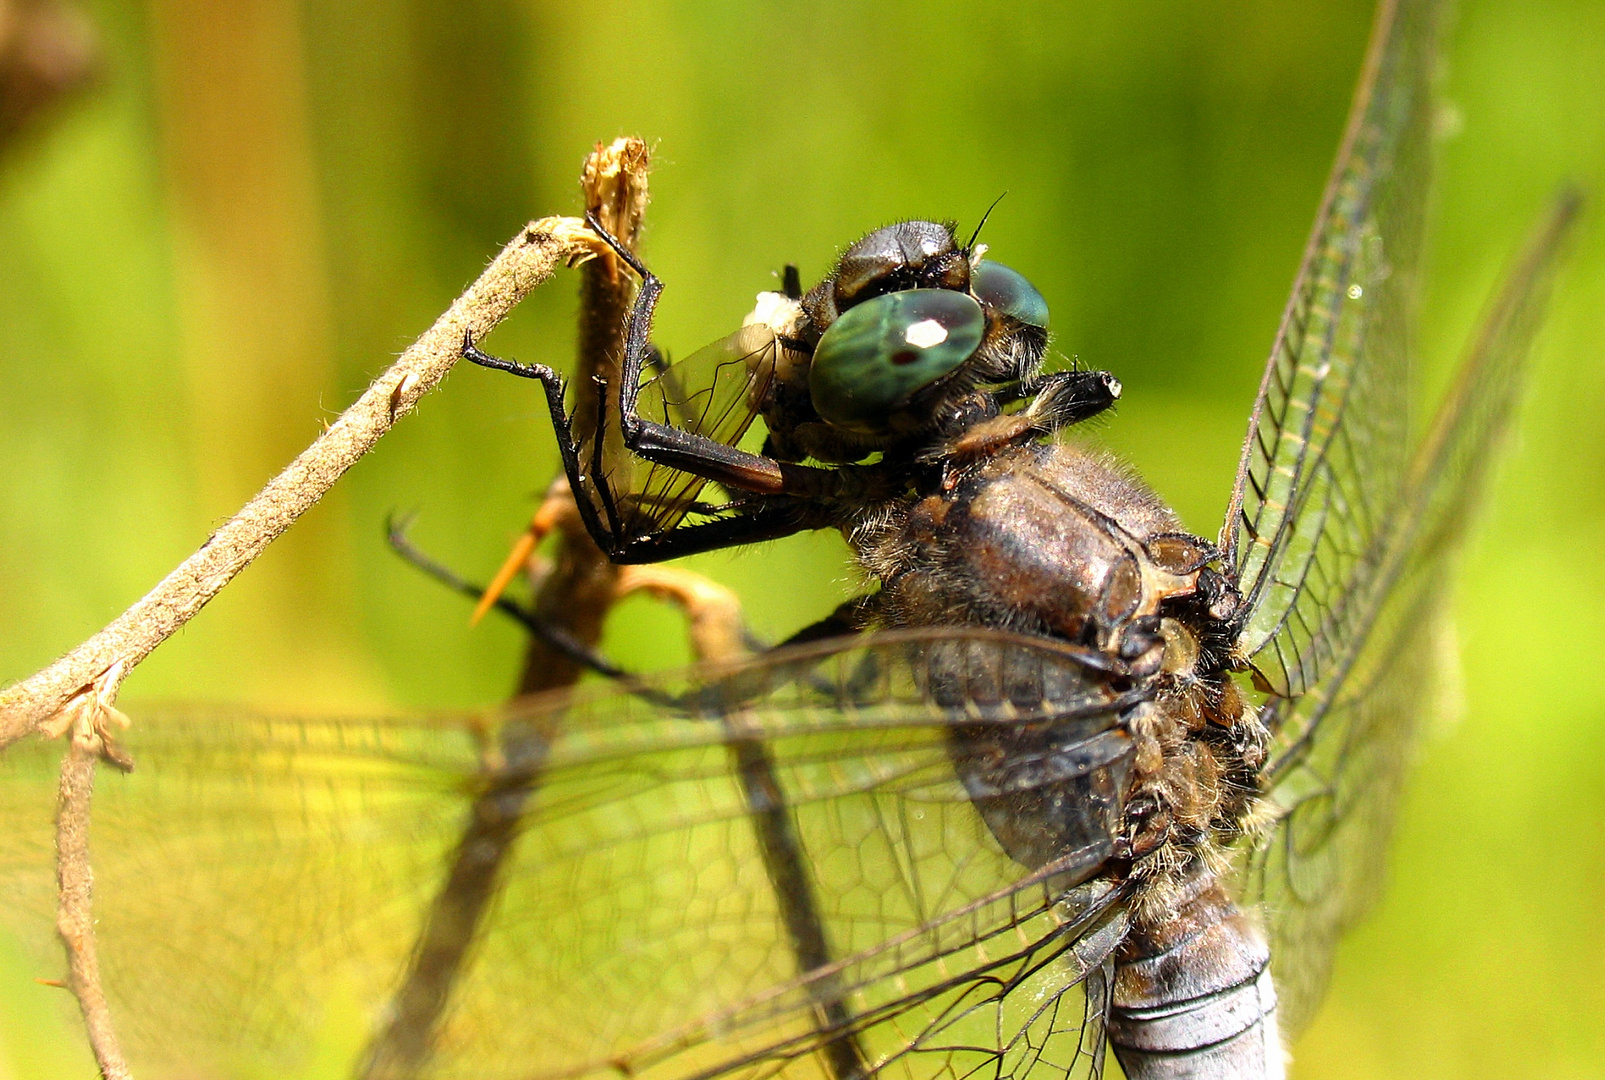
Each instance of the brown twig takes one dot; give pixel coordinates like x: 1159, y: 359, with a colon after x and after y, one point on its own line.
x: 574, y: 596
x: 577, y: 593
x: 75, y: 922
x: 714, y: 622
x: 526, y: 262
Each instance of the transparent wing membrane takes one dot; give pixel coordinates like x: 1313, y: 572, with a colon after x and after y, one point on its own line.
x: 1342, y: 747
x: 1328, y: 438
x: 714, y: 392
x: 890, y: 856
x: 1340, y: 534
x: 261, y: 882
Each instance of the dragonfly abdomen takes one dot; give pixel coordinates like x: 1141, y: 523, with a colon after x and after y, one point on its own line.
x: 1193, y: 998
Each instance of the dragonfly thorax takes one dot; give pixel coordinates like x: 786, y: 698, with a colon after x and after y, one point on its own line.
x: 1060, y: 541
x: 1053, y: 540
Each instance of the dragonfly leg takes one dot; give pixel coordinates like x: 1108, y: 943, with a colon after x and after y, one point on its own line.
x: 1062, y: 398
x: 606, y: 534
x: 712, y: 609
x: 853, y: 617
x: 784, y: 498
x: 717, y: 629
x: 555, y: 636
x: 672, y: 446
x: 678, y: 449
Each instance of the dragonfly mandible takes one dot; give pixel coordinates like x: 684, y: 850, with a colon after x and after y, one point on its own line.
x: 1066, y: 781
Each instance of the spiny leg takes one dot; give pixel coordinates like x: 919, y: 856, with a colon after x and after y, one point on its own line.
x: 786, y: 498
x: 712, y: 611
x: 558, y: 638
x: 605, y: 535
x: 688, y: 451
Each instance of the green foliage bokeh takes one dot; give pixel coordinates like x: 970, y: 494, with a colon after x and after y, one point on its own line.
x: 260, y: 206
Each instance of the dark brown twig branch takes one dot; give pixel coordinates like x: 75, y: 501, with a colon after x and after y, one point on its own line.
x: 527, y: 261
x: 577, y: 593
x: 574, y: 597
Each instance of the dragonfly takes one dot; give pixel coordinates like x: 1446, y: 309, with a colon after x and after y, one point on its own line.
x: 1067, y: 783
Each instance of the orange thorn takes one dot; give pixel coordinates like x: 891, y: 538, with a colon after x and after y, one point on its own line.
x: 556, y: 511
x: 516, y: 560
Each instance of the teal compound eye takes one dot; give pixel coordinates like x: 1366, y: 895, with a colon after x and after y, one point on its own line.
x: 879, y: 354
x: 1006, y: 290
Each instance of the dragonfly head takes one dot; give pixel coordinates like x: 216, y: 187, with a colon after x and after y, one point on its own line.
x: 908, y: 255
x: 906, y: 332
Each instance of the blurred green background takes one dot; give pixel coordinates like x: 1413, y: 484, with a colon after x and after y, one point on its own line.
x: 263, y: 202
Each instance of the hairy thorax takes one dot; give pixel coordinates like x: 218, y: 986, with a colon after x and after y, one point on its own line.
x: 1061, y: 541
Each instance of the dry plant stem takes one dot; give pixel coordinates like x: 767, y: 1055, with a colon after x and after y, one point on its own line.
x: 712, y: 611
x: 526, y: 262
x: 713, y: 616
x: 74, y: 918
x: 575, y: 596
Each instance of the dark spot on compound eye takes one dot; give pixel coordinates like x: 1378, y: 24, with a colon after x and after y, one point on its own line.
x: 866, y: 367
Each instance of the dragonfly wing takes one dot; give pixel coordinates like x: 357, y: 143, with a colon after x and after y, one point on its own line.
x: 1327, y: 439
x: 1341, y: 748
x: 715, y: 392
x: 256, y: 876
x: 676, y: 940
x: 245, y: 862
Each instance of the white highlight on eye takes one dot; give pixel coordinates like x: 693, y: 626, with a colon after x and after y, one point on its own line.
x: 922, y: 335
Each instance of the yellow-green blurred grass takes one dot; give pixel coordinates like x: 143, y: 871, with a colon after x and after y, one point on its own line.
x: 258, y: 210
